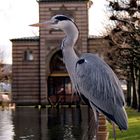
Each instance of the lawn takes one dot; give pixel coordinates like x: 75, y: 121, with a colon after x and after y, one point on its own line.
x: 133, y: 133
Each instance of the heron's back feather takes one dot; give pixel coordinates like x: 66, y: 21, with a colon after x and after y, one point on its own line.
x: 98, y: 83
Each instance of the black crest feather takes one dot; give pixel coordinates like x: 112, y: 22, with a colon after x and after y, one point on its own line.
x: 61, y: 18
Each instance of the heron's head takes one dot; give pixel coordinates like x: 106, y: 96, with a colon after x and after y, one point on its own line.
x: 56, y: 22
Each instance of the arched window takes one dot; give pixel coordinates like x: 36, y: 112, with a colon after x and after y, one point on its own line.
x: 56, y: 64
x: 59, y: 84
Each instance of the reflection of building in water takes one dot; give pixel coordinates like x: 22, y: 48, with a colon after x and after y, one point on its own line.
x: 71, y: 124
x: 38, y: 69
x: 51, y: 124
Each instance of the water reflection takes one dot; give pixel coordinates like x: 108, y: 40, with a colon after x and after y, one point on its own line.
x: 46, y: 124
x: 6, y: 125
x: 64, y: 124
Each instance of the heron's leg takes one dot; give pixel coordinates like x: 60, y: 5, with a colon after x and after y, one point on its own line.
x: 96, y: 115
x: 114, y: 130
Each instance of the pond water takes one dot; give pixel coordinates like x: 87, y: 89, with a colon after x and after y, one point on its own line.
x: 28, y: 123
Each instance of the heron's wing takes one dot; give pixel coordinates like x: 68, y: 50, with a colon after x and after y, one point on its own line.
x: 98, y: 83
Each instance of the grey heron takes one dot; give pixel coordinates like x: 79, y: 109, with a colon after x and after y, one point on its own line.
x: 90, y: 75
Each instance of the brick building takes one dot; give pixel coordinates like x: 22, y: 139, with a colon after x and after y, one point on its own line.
x: 38, y: 70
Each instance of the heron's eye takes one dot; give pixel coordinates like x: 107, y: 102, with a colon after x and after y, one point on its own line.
x: 55, y: 21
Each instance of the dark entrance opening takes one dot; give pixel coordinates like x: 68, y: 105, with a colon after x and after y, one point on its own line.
x: 59, y: 84
x: 61, y: 89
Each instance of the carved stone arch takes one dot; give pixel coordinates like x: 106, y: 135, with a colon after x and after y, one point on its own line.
x: 48, y: 60
x: 57, y: 65
x: 59, y: 86
x: 58, y: 81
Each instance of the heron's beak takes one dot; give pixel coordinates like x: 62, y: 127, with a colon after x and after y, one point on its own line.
x: 42, y: 24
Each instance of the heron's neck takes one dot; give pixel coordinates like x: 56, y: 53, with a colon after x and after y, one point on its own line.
x: 69, y: 55
x: 72, y: 34
x: 68, y: 43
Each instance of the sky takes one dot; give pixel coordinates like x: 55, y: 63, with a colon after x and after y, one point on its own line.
x: 17, y: 15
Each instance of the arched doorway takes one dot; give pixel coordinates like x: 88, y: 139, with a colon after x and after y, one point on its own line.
x: 59, y: 84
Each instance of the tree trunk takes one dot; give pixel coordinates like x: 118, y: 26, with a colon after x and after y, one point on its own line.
x: 134, y: 100
x: 129, y: 95
x: 139, y: 91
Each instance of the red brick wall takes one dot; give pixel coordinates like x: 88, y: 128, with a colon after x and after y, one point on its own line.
x: 25, y: 84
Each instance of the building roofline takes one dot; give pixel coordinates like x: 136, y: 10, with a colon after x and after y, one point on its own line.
x: 62, y: 0
x: 34, y: 38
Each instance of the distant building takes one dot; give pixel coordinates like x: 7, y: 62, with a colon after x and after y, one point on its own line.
x: 38, y: 70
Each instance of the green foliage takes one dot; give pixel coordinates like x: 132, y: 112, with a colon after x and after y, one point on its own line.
x: 133, y: 133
